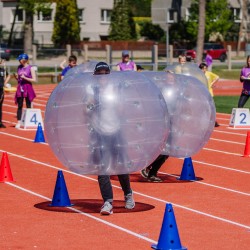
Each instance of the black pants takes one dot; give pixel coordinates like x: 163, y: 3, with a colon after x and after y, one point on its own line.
x: 243, y: 99
x: 106, y: 187
x: 1, y: 103
x: 20, y: 106
x: 156, y: 165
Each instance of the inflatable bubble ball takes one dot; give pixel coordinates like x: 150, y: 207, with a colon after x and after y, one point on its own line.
x: 110, y: 124
x: 191, y: 109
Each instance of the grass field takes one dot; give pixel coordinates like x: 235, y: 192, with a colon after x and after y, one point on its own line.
x: 224, y: 104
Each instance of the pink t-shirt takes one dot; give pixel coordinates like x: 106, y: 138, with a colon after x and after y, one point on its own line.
x: 126, y: 66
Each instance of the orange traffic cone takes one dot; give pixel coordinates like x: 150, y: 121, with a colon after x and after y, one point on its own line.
x: 247, y: 146
x: 5, y: 171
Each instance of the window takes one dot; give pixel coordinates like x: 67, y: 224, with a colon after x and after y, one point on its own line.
x: 105, y: 16
x: 171, y: 15
x: 237, y: 14
x: 81, y: 15
x: 187, y: 14
x: 44, y: 15
x: 19, y: 15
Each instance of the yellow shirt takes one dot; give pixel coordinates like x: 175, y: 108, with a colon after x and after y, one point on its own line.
x: 211, y: 79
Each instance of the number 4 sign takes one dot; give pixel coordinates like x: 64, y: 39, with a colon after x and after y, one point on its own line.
x: 240, y: 118
x: 31, y: 118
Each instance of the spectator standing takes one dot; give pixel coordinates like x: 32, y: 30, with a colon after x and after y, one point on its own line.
x: 209, y: 60
x: 245, y: 78
x: 4, y: 78
x: 25, y: 77
x: 211, y: 80
x: 72, y: 63
x: 126, y: 64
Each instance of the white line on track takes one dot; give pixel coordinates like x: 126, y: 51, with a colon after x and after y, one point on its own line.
x: 87, y: 215
x: 227, y: 168
x: 211, y: 185
x: 138, y: 193
x: 234, y: 142
x: 231, y: 133
x: 222, y: 152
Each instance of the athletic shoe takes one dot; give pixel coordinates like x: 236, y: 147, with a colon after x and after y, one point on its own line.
x: 144, y: 173
x: 216, y: 124
x: 154, y: 178
x: 18, y: 125
x: 129, y: 201
x: 107, y: 208
x: 2, y: 125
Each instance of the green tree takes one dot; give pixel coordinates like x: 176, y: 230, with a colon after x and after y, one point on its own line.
x: 122, y: 25
x: 152, y: 32
x: 66, y: 24
x: 201, y: 30
x: 218, y: 18
x: 140, y: 8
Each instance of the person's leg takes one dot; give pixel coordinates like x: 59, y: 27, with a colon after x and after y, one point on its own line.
x: 107, y: 194
x: 19, y: 108
x: 1, y: 107
x: 125, y: 183
x: 242, y: 101
x: 156, y: 165
x: 128, y: 193
x: 105, y: 188
x: 28, y: 103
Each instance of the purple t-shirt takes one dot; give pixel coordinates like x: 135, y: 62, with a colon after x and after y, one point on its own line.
x: 126, y: 66
x: 209, y: 60
x: 24, y: 87
x: 246, y: 83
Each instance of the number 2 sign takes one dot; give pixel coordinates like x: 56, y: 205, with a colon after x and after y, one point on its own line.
x: 240, y: 118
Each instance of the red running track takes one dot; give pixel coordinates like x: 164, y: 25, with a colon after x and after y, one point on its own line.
x: 211, y: 213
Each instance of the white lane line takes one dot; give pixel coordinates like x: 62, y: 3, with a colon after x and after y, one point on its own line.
x: 233, y: 142
x: 87, y: 215
x: 205, y: 163
x: 230, y: 133
x: 222, y: 152
x: 141, y: 194
x: 210, y: 185
x: 219, y: 166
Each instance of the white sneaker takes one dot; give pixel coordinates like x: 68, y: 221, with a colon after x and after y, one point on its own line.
x: 107, y: 208
x: 129, y: 201
x: 18, y: 125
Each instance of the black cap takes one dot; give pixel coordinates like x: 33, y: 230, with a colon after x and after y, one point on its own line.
x: 102, y: 66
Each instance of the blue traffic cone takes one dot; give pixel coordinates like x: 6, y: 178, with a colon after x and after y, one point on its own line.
x: 39, y: 134
x: 169, y: 237
x: 187, y: 173
x: 61, y: 196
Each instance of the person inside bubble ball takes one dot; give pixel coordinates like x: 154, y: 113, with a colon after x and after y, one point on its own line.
x: 25, y: 77
x: 126, y: 64
x: 245, y: 78
x: 106, y: 136
x: 211, y: 80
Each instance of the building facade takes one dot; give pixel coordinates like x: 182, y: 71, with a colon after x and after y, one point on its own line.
x: 94, y: 19
x: 166, y: 12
